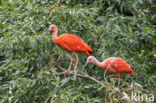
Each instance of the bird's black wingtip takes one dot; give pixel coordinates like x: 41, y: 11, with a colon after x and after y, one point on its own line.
x: 90, y: 52
x: 132, y: 67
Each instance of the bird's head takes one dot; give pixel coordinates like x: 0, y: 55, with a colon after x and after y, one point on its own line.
x: 90, y: 59
x: 52, y: 29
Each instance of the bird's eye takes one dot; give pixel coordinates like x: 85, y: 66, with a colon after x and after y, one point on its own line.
x: 90, y: 60
x: 52, y: 29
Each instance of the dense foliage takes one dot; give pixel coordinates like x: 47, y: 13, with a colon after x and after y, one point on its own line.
x: 29, y: 62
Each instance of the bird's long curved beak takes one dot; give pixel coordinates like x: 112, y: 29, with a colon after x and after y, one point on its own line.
x: 84, y: 66
x: 46, y: 32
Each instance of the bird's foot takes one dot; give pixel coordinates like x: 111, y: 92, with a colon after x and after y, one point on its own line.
x: 117, y: 89
x: 74, y: 73
x: 109, y: 87
x: 68, y: 72
x: 74, y: 70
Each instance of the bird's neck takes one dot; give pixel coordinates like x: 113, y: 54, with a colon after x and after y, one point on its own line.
x: 98, y: 63
x: 55, y: 35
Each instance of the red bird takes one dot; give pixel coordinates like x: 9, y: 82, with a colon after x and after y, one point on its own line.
x: 113, y: 65
x: 70, y: 43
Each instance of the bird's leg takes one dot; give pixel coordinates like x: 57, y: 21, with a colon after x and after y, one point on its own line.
x: 71, y: 58
x: 71, y: 61
x: 77, y: 60
x: 118, y: 81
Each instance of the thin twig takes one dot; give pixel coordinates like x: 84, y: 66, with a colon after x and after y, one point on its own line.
x: 60, y: 68
x: 87, y: 77
x: 105, y: 74
x: 83, y: 76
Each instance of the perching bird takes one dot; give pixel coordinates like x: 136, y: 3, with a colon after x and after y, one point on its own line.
x: 70, y: 43
x: 113, y: 65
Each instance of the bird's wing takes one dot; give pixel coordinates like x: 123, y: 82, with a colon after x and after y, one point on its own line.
x: 71, y: 43
x: 121, y: 66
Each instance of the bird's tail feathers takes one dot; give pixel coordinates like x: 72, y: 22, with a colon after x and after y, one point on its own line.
x: 88, y: 50
x: 132, y: 67
x: 131, y: 73
x: 88, y: 53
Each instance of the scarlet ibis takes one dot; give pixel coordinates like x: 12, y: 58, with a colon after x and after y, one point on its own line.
x: 70, y: 43
x: 113, y: 65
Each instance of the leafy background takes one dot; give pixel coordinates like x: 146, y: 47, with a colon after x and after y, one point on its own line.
x: 29, y: 62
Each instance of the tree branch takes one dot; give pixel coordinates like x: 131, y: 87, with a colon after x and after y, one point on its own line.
x: 87, y: 77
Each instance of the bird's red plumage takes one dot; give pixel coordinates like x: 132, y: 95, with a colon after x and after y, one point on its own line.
x: 72, y: 43
x: 116, y: 65
x: 113, y: 65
